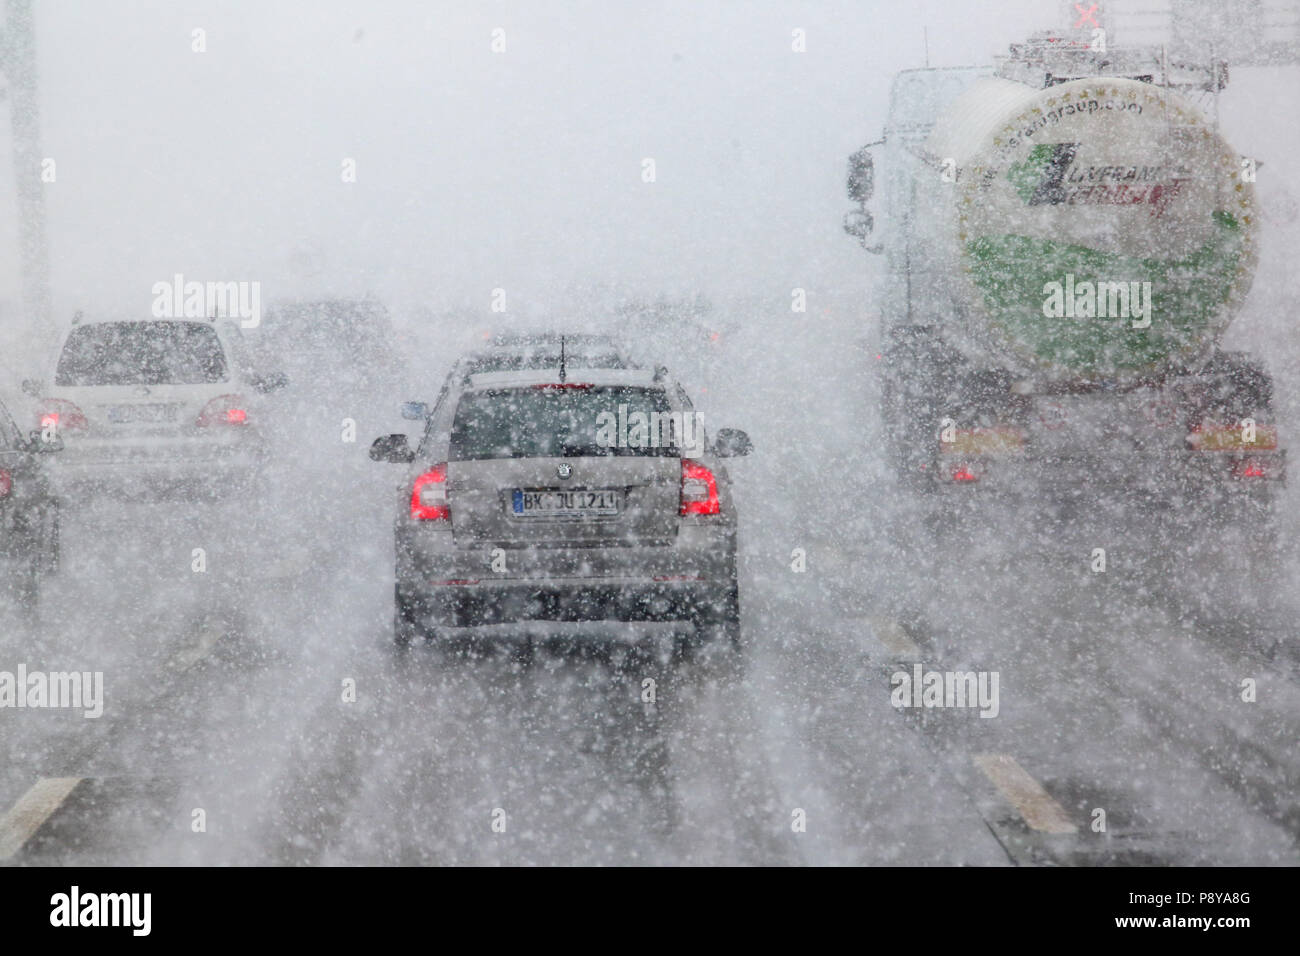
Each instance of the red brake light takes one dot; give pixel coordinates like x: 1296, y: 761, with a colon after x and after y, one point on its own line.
x: 429, y: 495
x: 223, y: 410
x: 699, y: 490
x: 61, y: 415
x: 6, y: 482
x: 964, y: 474
x: 1249, y: 468
x: 559, y: 385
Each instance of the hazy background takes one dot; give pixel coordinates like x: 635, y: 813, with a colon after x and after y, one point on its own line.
x: 478, y: 170
x: 522, y: 171
x: 475, y: 170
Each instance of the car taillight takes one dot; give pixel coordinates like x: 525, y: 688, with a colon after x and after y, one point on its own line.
x: 699, y: 490
x: 964, y: 474
x: 429, y: 495
x: 61, y: 415
x: 1253, y: 468
x: 6, y: 482
x: 223, y: 410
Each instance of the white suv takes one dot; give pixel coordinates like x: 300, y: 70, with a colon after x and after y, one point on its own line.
x: 143, y: 406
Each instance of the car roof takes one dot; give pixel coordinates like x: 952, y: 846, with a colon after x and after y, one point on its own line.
x: 571, y: 340
x: 521, y: 352
x: 573, y: 377
x: 506, y: 360
x: 80, y: 320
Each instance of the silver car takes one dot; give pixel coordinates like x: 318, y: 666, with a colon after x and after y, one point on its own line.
x: 563, y: 493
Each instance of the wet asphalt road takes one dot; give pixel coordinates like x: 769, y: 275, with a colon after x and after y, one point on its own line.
x: 255, y: 713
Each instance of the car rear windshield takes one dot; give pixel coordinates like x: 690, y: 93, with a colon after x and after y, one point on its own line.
x: 142, y: 353
x: 557, y: 421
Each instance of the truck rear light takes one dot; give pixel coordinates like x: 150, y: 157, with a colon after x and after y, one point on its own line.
x: 223, y: 410
x: 699, y: 489
x: 61, y: 415
x: 6, y: 482
x: 962, y: 473
x: 429, y: 495
x: 1254, y: 468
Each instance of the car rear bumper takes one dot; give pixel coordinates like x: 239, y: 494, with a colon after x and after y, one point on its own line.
x: 465, y: 604
x: 491, y: 584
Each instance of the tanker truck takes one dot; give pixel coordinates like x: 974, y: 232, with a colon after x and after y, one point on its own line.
x: 1066, y: 236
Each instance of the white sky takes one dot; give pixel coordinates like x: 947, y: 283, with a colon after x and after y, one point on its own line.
x: 475, y: 170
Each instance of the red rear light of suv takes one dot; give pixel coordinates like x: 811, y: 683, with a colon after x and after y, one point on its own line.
x: 6, y: 482
x: 61, y: 415
x: 223, y: 410
x: 429, y: 495
x: 699, y: 489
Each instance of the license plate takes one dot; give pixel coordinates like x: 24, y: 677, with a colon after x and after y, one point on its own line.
x: 122, y: 414
x: 528, y: 503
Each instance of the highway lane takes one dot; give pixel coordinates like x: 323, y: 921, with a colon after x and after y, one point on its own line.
x: 262, y: 691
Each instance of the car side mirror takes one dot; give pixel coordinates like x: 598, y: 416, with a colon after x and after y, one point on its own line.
x: 731, y: 443
x: 415, y: 411
x: 393, y: 448
x: 271, y: 383
x: 33, y: 387
x: 41, y: 443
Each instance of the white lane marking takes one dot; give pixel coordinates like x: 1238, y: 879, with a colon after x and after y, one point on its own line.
x: 1026, y: 794
x: 31, y: 811
x: 895, y: 640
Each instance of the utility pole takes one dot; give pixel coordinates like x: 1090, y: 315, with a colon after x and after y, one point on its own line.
x: 18, y: 67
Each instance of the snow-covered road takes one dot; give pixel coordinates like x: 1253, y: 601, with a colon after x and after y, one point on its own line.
x: 254, y: 713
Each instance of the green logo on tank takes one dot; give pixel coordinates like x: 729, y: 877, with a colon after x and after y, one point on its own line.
x: 1040, y: 177
x: 1011, y: 272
